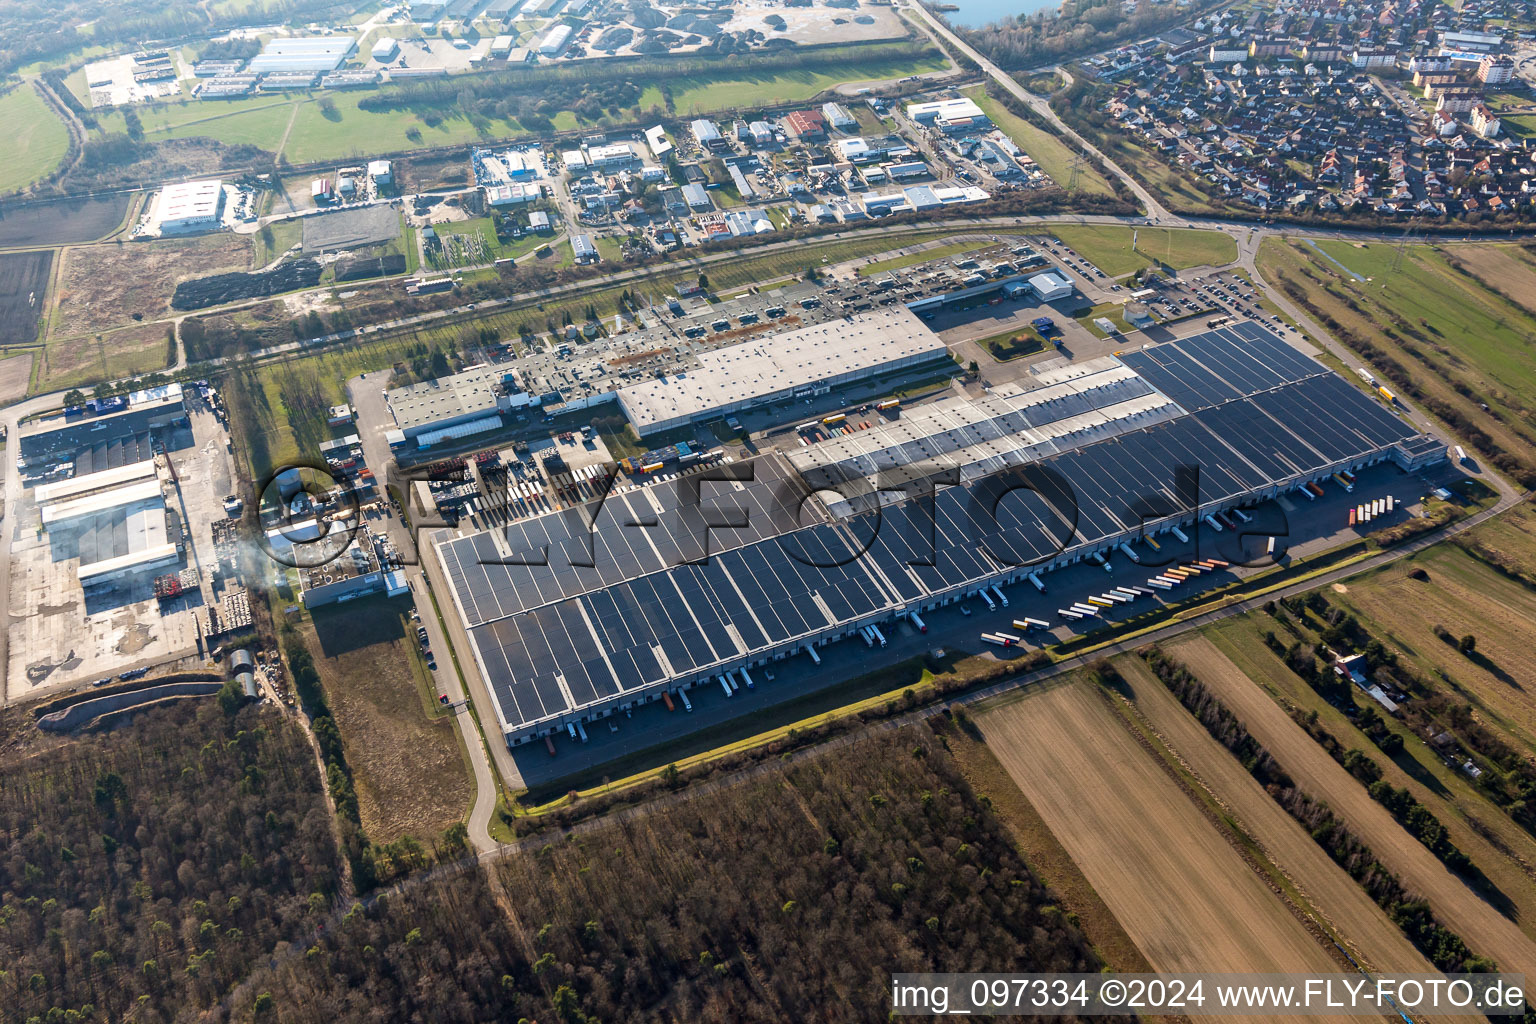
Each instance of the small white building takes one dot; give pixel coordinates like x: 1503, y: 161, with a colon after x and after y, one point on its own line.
x: 1051, y: 286
x: 381, y: 172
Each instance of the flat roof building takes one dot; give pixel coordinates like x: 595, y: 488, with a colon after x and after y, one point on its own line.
x: 312, y: 54
x: 476, y: 394
x: 576, y: 614
x: 1051, y: 286
x: 947, y: 110
x: 707, y: 133
x: 190, y: 206
x: 739, y: 377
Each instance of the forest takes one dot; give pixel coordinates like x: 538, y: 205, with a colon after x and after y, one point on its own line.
x: 144, y: 870
x: 183, y: 865
x: 789, y: 896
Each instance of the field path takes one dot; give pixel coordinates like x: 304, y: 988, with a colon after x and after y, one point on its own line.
x: 1364, y: 928
x: 1482, y: 927
x: 293, y: 115
x: 1184, y: 896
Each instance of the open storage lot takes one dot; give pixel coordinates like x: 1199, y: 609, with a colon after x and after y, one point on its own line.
x: 60, y: 635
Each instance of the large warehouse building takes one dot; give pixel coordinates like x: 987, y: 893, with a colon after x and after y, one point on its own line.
x: 787, y: 365
x: 314, y: 54
x: 190, y: 206
x: 571, y: 618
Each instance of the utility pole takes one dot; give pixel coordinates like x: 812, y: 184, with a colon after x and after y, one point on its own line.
x: 1077, y: 170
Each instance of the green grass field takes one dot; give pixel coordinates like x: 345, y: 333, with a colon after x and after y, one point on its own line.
x: 483, y: 227
x: 1051, y: 152
x: 35, y: 139
x: 702, y: 93
x: 1453, y: 330
x: 1108, y: 247
x: 277, y: 238
x: 1012, y: 344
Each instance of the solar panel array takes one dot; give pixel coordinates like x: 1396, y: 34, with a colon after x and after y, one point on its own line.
x: 558, y: 637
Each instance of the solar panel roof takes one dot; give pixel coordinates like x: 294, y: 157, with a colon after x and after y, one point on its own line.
x: 556, y: 636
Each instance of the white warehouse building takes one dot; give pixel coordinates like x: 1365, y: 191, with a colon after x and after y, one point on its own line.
x: 190, y: 206
x: 805, y: 361
x: 554, y: 41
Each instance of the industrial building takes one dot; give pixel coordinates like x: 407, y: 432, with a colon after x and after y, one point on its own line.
x: 113, y: 520
x: 311, y: 54
x: 804, y: 361
x: 580, y: 613
x: 190, y: 206
x: 947, y: 115
x: 106, y: 441
x: 1051, y: 286
x: 458, y: 406
x: 707, y: 134
x: 356, y: 572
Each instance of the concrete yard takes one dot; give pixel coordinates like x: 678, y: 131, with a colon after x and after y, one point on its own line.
x: 60, y: 636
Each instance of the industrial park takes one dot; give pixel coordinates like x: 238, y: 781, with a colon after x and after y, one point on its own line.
x: 604, y: 510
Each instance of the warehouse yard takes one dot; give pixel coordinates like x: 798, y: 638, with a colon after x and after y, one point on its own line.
x: 1185, y: 897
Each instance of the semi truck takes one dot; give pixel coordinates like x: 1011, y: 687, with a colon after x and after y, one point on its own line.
x: 1000, y: 596
x: 1035, y: 579
x: 917, y: 621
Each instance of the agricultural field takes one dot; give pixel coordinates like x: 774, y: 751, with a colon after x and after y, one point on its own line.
x: 1049, y: 150
x: 1502, y: 851
x: 1184, y: 896
x: 1455, y: 320
x: 15, y: 373
x: 61, y: 222
x: 1483, y: 927
x: 407, y: 767
x: 1333, y: 900
x: 87, y: 359
x: 23, y: 295
x: 105, y: 286
x: 36, y: 141
x: 1467, y: 598
x: 1123, y: 250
